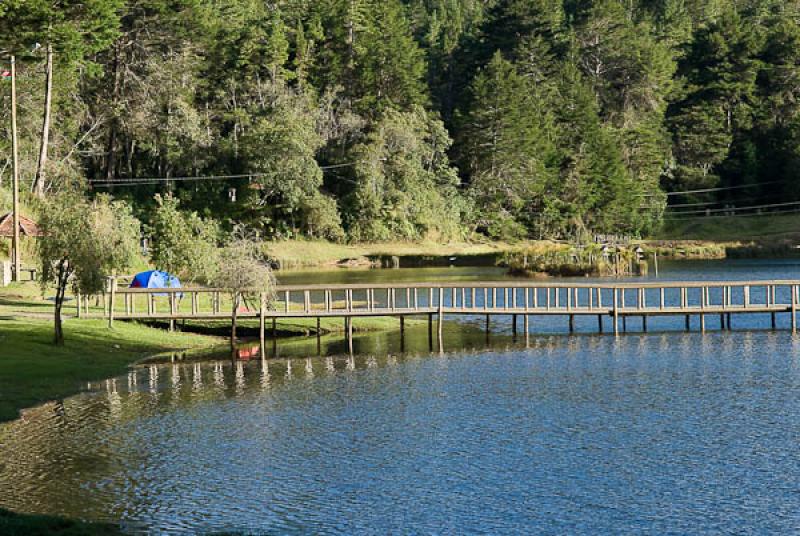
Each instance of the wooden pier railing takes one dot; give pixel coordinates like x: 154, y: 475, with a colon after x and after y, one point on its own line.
x: 617, y: 301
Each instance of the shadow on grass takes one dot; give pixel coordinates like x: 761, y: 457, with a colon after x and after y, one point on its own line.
x: 13, y: 524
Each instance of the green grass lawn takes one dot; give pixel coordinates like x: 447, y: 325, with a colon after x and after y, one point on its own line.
x: 33, y: 370
x: 740, y: 228
x: 309, y: 253
x: 13, y: 524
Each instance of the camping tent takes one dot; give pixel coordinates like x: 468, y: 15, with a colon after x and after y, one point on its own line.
x: 155, y: 279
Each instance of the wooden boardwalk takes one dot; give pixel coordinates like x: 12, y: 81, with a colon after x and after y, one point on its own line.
x: 612, y: 300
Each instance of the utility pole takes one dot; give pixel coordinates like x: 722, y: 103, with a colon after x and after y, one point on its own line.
x: 15, y: 173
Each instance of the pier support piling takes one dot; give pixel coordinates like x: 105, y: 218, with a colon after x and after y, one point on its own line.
x: 430, y: 331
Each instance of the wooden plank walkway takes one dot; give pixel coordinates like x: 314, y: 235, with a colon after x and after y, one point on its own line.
x: 617, y: 301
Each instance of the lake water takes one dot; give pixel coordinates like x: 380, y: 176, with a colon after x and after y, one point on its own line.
x: 668, y: 432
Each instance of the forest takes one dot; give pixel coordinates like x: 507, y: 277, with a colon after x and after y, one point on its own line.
x: 375, y: 120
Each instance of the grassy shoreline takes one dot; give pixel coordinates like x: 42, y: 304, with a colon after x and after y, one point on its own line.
x: 34, y: 371
x: 700, y: 238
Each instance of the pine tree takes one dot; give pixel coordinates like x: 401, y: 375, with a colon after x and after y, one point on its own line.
x: 720, y: 70
x: 389, y: 65
x: 508, y: 147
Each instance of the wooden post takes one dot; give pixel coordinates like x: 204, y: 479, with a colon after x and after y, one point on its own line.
x: 15, y: 239
x: 527, y: 325
x: 514, y: 326
x: 644, y: 323
x: 262, y: 312
x: 441, y: 314
x: 794, y: 309
x: 112, y: 292
x: 572, y: 323
x: 655, y: 261
x: 703, y: 303
x: 600, y: 323
x: 402, y: 325
x: 616, y: 312
x: 172, y: 311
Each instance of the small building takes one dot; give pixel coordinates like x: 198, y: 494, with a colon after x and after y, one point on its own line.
x: 27, y: 228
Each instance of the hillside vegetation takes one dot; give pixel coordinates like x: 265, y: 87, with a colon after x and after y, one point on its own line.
x: 409, y: 120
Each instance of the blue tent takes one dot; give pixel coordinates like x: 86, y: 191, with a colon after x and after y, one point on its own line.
x: 156, y: 279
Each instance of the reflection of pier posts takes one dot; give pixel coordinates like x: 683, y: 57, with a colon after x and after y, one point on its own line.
x: 349, y: 323
x: 319, y: 338
x: 274, y: 337
x: 402, y: 333
x: 262, y: 320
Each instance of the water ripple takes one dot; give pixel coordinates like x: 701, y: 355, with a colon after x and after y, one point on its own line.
x: 659, y: 434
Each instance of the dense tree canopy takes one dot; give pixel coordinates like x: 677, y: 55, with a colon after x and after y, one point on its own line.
x: 411, y: 119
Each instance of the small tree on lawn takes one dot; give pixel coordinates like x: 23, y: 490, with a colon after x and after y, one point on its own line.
x: 83, y: 243
x: 183, y: 243
x: 244, y: 272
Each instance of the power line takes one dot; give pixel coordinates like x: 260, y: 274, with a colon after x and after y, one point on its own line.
x: 707, y: 203
x: 734, y: 216
x: 135, y: 181
x: 711, y: 190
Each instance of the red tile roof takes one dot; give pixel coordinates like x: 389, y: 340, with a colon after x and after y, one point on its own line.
x: 27, y: 227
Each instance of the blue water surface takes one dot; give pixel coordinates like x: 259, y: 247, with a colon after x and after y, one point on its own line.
x: 660, y: 433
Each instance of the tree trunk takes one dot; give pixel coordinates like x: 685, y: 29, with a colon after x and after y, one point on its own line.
x: 38, y: 184
x: 61, y: 290
x: 111, y: 161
